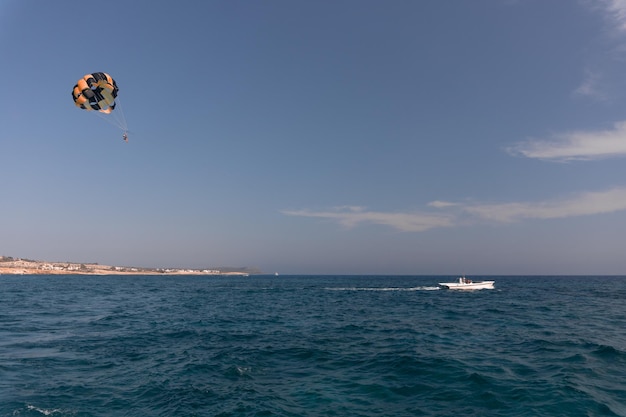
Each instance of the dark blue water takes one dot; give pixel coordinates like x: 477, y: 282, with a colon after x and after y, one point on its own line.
x: 311, y: 346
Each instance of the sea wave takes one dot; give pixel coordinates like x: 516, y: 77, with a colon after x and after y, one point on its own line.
x: 310, y: 346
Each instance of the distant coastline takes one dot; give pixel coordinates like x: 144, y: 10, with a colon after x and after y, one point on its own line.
x: 21, y: 266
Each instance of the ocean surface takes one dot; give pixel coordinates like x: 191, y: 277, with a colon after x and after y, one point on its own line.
x: 311, y: 346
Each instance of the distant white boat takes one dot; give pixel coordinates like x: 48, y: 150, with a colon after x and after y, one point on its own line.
x: 468, y: 284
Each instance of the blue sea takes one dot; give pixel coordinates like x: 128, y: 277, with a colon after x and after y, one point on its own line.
x: 311, y: 346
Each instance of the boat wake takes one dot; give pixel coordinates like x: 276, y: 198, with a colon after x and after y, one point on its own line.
x: 426, y: 288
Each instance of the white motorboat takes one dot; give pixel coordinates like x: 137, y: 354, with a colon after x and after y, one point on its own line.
x: 467, y: 284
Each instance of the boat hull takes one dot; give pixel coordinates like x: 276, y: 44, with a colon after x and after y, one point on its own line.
x: 480, y: 285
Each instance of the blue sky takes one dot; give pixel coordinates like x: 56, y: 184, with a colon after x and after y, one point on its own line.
x: 351, y: 136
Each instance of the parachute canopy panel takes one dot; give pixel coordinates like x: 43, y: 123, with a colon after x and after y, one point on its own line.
x: 96, y: 91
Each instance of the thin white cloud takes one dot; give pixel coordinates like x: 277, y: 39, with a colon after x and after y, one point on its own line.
x: 451, y: 214
x: 590, y: 87
x: 583, y: 204
x: 599, y: 84
x: 442, y: 204
x: 581, y: 145
x: 598, y: 144
x: 353, y: 216
x: 615, y: 10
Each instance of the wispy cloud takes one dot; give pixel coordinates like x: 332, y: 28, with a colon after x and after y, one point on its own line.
x: 456, y: 214
x: 442, y: 204
x: 580, y: 145
x: 599, y: 84
x: 615, y: 11
x: 582, y: 204
x: 354, y: 216
x: 590, y: 87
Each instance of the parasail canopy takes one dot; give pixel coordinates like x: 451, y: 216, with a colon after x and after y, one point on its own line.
x: 96, y: 91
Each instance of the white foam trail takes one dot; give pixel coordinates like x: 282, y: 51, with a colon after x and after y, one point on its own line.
x: 43, y: 411
x: 382, y: 289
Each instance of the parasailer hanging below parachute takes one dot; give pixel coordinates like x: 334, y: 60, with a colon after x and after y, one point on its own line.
x: 98, y: 91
